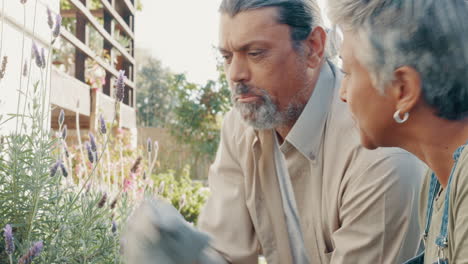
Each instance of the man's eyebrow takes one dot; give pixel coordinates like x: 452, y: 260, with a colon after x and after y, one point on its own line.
x: 222, y: 50
x: 244, y: 47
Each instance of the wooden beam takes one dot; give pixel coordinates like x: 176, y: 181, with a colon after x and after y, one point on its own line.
x: 82, y: 35
x: 101, y: 30
x: 109, y: 25
x: 130, y: 7
x: 71, y: 13
x: 17, y: 24
x: 118, y: 18
x: 85, y: 49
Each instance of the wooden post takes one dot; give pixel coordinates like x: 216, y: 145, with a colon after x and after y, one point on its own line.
x: 93, y: 117
x: 81, y: 34
x: 109, y: 27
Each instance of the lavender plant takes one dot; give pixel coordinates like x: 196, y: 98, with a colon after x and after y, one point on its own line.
x: 71, y: 228
x: 72, y: 203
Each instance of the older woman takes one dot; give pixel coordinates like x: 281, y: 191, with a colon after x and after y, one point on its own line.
x: 406, y: 83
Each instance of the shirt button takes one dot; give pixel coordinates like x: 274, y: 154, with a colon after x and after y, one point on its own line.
x: 311, y: 156
x: 260, y: 198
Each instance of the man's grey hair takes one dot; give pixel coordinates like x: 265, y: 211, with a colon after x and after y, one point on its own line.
x: 429, y: 35
x: 301, y: 15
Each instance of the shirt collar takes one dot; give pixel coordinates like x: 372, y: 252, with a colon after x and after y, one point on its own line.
x: 306, y: 134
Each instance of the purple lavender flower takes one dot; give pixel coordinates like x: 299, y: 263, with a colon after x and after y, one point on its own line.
x: 36, y: 55
x: 61, y: 117
x: 92, y: 140
x: 50, y: 22
x: 9, y: 244
x: 88, y: 187
x: 33, y: 252
x: 54, y: 168
x: 149, y: 145
x: 136, y: 165
x: 25, y: 68
x: 43, y: 60
x: 58, y: 24
x: 3, y: 67
x: 114, y: 227
x: 64, y: 170
x: 120, y: 86
x: 65, y: 149
x: 114, y: 202
x: 102, y: 123
x: 90, y: 152
x: 64, y: 132
x: 103, y: 200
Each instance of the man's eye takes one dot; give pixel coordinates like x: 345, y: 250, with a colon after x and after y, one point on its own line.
x: 226, y: 57
x: 255, y: 53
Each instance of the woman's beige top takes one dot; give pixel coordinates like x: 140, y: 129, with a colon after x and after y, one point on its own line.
x: 457, y: 250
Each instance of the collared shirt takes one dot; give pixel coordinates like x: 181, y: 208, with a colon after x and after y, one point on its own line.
x: 299, y: 138
x: 457, y: 248
x: 291, y: 214
x: 355, y: 205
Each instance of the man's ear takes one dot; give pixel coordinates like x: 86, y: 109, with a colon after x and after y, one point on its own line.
x: 315, y: 47
x: 406, y: 88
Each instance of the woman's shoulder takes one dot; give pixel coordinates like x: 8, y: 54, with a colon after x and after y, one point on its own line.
x: 460, y: 182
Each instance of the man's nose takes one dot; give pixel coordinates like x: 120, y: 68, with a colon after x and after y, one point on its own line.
x: 238, y: 70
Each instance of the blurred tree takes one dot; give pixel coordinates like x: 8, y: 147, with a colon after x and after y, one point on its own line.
x: 155, y: 98
x: 198, y: 114
x: 190, y: 111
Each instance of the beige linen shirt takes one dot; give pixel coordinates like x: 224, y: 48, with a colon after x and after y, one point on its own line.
x: 355, y: 205
x: 457, y: 249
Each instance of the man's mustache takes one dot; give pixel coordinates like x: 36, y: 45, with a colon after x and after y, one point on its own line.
x: 241, y: 89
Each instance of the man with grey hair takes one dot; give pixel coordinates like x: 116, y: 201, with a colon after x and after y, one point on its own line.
x: 290, y: 180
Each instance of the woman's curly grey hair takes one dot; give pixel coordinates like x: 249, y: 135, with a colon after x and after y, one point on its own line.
x: 429, y: 35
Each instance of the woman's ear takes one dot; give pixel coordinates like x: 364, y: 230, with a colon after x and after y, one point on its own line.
x: 315, y: 47
x: 406, y: 88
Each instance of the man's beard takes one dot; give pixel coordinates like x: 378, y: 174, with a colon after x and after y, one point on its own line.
x: 264, y: 113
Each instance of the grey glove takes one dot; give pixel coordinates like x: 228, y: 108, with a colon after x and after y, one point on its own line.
x: 158, y: 234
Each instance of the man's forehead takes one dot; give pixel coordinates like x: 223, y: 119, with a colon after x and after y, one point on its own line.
x: 250, y: 20
x: 258, y: 26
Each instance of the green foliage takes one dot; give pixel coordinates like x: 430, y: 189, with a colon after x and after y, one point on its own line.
x: 199, y: 112
x: 86, y: 236
x: 192, y: 112
x: 186, y: 195
x: 43, y: 207
x: 139, y: 5
x: 78, y: 210
x: 155, y: 100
